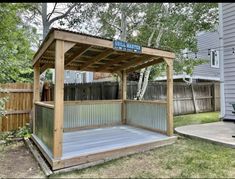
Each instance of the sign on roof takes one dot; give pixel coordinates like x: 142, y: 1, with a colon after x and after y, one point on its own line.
x: 125, y: 46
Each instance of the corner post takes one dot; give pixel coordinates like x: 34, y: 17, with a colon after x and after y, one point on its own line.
x: 36, y: 91
x: 169, y: 63
x: 123, y: 96
x: 58, y: 100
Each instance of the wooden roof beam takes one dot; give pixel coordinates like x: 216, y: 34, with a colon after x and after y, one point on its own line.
x: 114, y: 61
x: 79, y: 53
x: 132, y: 63
x: 98, y: 58
x: 44, y: 46
x: 138, y: 67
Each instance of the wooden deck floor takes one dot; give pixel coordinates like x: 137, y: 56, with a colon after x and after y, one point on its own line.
x: 91, y: 141
x: 91, y: 145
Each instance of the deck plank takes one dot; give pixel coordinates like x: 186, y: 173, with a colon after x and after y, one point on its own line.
x: 90, y: 141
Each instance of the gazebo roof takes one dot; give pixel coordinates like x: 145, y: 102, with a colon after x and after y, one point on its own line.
x: 90, y: 53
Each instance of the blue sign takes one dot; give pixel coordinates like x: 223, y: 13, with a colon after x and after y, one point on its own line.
x: 125, y: 46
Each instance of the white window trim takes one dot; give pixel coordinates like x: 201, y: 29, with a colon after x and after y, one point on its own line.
x: 216, y: 58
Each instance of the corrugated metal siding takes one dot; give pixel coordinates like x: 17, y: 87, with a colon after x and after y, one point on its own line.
x: 81, y: 115
x: 229, y: 58
x: 150, y: 115
x: 44, y: 125
x: 207, y: 40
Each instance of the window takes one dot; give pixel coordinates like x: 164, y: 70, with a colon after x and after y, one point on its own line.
x: 215, y: 58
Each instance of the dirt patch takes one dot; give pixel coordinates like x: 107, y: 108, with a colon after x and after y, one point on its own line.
x: 16, y: 161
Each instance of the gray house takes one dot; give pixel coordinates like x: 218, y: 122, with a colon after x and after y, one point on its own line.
x: 227, y: 45
x: 208, y: 71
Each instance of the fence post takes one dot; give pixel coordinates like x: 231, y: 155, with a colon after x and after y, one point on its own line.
x: 214, y: 96
x: 194, y: 100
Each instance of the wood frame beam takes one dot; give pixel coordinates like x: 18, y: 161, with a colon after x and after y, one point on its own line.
x: 59, y: 100
x: 132, y: 62
x: 78, y: 38
x: 102, y: 55
x: 150, y: 63
x: 36, y: 91
x: 115, y: 61
x: 81, y: 51
x: 169, y: 63
x: 44, y: 46
x: 123, y: 95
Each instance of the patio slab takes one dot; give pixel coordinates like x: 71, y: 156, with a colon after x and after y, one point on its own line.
x: 216, y: 132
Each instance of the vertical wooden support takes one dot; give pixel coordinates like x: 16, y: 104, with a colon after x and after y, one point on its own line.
x: 214, y: 96
x: 123, y: 96
x: 59, y: 99
x: 169, y: 96
x: 36, y: 91
x: 194, y: 100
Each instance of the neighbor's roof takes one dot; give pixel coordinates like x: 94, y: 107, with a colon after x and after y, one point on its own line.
x: 91, y: 53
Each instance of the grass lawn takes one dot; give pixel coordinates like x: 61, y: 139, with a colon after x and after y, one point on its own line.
x: 186, y: 158
x: 196, y: 119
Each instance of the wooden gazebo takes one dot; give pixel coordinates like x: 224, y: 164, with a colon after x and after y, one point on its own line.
x: 72, y: 133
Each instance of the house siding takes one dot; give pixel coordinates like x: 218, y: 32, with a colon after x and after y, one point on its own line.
x: 205, y: 41
x: 228, y: 17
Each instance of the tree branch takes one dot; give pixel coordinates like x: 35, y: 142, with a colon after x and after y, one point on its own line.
x: 49, y: 15
x: 63, y: 15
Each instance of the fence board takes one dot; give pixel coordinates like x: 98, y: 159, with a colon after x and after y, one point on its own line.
x: 18, y: 106
x: 183, y: 99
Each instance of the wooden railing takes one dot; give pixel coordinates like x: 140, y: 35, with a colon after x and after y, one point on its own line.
x: 147, y: 114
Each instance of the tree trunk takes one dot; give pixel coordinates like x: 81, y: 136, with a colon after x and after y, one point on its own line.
x: 45, y: 23
x: 140, y: 83
x: 123, y: 22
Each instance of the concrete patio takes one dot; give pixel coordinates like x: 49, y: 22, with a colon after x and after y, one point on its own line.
x: 217, y: 132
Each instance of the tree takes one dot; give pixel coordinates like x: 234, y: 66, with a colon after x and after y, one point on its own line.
x: 15, y: 45
x: 173, y: 25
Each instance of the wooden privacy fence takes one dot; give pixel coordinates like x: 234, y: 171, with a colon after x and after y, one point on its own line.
x: 199, y: 97
x: 18, y: 105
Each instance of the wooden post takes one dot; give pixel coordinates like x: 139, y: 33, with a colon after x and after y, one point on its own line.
x: 123, y: 96
x: 36, y: 91
x: 194, y: 100
x: 214, y: 96
x: 58, y: 99
x: 169, y: 96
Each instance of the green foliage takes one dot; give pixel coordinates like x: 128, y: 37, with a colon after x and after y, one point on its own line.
x: 180, y: 24
x: 23, y: 132
x: 48, y: 75
x: 15, y: 45
x: 3, y: 100
x: 11, y: 136
x: 187, y: 65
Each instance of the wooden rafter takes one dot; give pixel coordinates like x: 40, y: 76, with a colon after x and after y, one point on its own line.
x: 98, y: 58
x: 153, y: 62
x: 115, y: 61
x: 77, y: 54
x: 132, y: 62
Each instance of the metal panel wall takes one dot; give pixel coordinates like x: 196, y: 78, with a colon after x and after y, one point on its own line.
x: 150, y: 115
x: 44, y: 124
x: 91, y: 114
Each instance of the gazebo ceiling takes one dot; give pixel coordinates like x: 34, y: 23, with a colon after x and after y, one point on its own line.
x: 89, y: 53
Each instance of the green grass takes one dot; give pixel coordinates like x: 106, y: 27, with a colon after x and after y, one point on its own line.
x: 186, y: 158
x: 196, y: 119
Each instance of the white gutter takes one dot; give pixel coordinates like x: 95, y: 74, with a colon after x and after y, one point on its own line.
x: 221, y: 57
